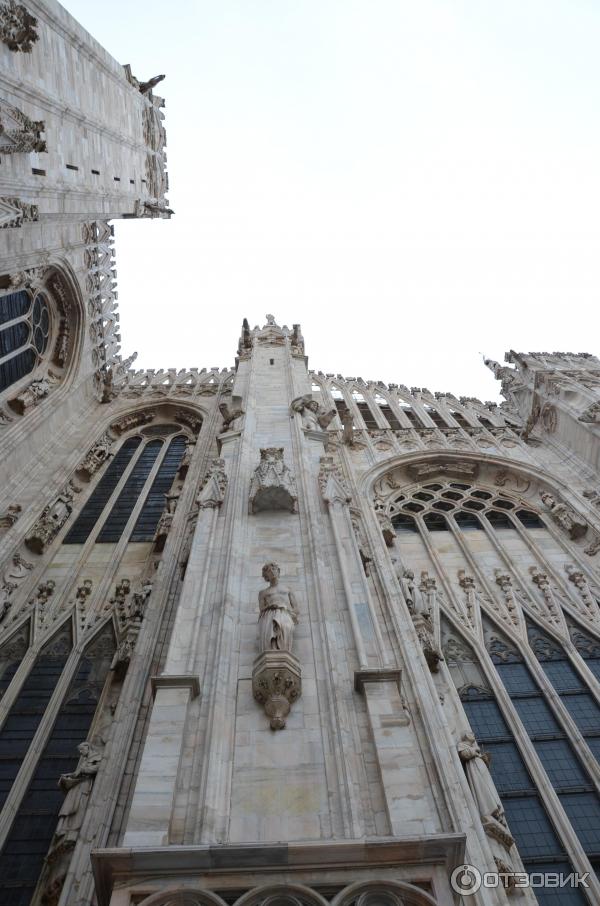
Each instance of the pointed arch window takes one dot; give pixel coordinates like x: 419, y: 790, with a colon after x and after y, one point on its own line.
x: 133, y: 462
x: 28, y: 709
x: 528, y: 820
x: 101, y: 494
x: 30, y: 836
x: 550, y: 739
x: 573, y: 692
x: 154, y: 504
x: 123, y: 507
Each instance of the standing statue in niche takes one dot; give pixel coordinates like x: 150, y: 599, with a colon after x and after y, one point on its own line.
x: 278, y: 612
x: 484, y: 791
x: 566, y: 518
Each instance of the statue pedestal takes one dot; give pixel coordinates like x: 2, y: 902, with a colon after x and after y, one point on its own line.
x: 276, y: 684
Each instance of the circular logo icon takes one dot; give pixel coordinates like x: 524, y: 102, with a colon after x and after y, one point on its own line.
x: 465, y: 879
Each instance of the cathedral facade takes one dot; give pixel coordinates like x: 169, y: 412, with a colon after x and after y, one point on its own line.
x: 269, y: 636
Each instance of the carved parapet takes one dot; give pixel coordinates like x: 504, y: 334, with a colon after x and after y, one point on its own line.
x: 276, y: 684
x: 273, y: 486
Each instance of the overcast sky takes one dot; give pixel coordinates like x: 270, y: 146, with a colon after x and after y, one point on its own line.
x: 415, y: 182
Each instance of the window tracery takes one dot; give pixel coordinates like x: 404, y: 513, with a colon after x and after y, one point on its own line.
x: 499, y: 560
x: 40, y: 318
x: 24, y: 335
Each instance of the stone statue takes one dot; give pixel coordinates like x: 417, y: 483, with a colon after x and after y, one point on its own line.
x: 51, y: 521
x: 484, y: 791
x: 420, y: 607
x: 9, y: 517
x: 146, y: 87
x: 31, y: 396
x: 567, y: 519
x: 413, y: 596
x: 278, y: 612
x: 166, y: 520
x: 17, y: 27
x: 231, y: 417
x: 12, y: 577
x: 276, y: 673
x: 96, y: 456
x: 139, y: 600
x: 78, y: 787
x: 314, y: 416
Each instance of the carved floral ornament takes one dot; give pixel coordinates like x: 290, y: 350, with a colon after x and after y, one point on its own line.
x: 18, y: 28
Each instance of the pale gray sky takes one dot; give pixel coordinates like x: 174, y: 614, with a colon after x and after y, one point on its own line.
x: 416, y: 183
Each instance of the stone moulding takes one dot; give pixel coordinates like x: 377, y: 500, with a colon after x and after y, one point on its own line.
x: 276, y: 684
x: 176, y: 681
x: 151, y: 864
x: 376, y: 675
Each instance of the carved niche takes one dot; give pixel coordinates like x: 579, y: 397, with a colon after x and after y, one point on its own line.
x: 273, y: 486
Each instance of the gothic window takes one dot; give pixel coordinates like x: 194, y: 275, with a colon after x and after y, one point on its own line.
x: 131, y: 469
x: 573, y: 692
x: 24, y: 334
x: 23, y: 854
x: 154, y: 504
x: 29, y: 707
x: 566, y: 773
x: 528, y: 820
x: 90, y: 514
x: 123, y: 506
x: 498, y: 556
